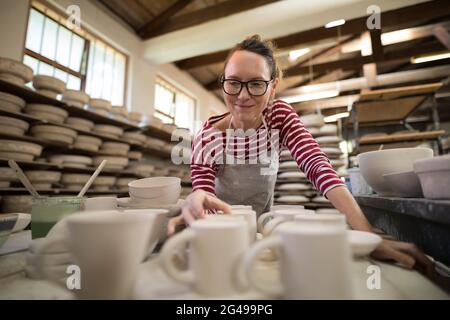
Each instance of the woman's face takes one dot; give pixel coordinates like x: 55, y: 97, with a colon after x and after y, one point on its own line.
x: 245, y: 66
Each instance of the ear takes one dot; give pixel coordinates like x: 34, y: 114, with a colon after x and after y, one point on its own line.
x: 274, y: 88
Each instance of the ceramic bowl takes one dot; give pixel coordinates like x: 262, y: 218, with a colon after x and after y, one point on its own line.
x: 16, y: 68
x: 100, y: 104
x: 434, y: 175
x: 155, y: 187
x: 363, y: 243
x: 404, y: 184
x: 41, y: 82
x: 74, y: 95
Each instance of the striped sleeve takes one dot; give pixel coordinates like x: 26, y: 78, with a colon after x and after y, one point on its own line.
x: 304, y: 148
x: 203, y: 167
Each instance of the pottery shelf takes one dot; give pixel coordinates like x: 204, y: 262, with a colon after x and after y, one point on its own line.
x: 421, y: 221
x: 413, y: 136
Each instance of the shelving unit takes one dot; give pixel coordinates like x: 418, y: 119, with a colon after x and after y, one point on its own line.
x: 158, y: 154
x: 387, y: 107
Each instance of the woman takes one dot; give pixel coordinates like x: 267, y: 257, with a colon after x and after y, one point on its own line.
x: 223, y: 168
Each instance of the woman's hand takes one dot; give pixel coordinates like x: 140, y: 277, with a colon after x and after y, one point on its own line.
x: 408, y: 254
x: 194, y: 207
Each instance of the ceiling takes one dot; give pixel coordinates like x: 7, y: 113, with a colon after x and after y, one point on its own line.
x: 334, y: 53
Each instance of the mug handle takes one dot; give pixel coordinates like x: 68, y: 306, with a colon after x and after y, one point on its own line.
x: 273, y: 289
x: 262, y: 220
x: 168, y: 251
x: 270, y: 226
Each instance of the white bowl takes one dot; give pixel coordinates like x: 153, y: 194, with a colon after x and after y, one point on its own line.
x: 16, y: 68
x: 41, y: 82
x: 404, y: 184
x: 100, y: 104
x: 152, y: 187
x: 74, y: 95
x: 363, y: 243
x: 434, y: 175
x: 375, y: 164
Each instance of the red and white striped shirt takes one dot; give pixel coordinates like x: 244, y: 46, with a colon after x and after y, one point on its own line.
x: 209, y: 144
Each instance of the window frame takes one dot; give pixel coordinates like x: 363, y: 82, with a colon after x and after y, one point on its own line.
x: 87, y: 36
x: 160, y: 80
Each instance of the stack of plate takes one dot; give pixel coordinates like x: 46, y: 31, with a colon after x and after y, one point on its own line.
x: 155, y: 122
x: 87, y: 143
x: 108, y: 130
x: 80, y: 123
x: 75, y: 98
x: 71, y: 160
x: 120, y: 113
x: 48, y: 86
x: 17, y: 204
x: 46, y: 112
x: 134, y: 137
x: 7, y: 175
x: 115, y: 148
x: 15, y: 72
x: 74, y: 181
x: 122, y: 183
x: 100, y: 106
x: 135, y: 155
x: 43, y: 179
x: 54, y: 133
x: 104, y: 183
x: 11, y: 103
x: 13, y: 126
x: 141, y: 169
x: 135, y: 117
x: 19, y: 150
x: 154, y: 143
x: 114, y: 163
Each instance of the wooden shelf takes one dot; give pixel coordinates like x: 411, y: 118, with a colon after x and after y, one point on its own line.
x: 394, y: 93
x: 413, y: 136
x: 52, y: 191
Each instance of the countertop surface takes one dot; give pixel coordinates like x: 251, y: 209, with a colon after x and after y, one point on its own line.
x: 153, y: 283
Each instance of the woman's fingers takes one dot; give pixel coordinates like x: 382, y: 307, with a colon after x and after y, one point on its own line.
x: 173, y: 223
x: 215, y: 203
x: 424, y: 264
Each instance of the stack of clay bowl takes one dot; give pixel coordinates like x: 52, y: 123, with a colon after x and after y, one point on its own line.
x: 113, y: 163
x: 19, y: 150
x: 134, y: 137
x: 46, y: 112
x: 74, y: 161
x: 7, y: 175
x: 15, y: 72
x: 87, y: 143
x: 135, y: 155
x: 115, y: 149
x: 74, y: 181
x: 120, y: 113
x: 141, y: 169
x: 154, y: 143
x: 43, y: 179
x: 54, y: 133
x: 135, y: 117
x: 11, y: 103
x: 122, y: 183
x: 48, y: 86
x: 22, y: 203
x: 155, y: 122
x: 108, y: 130
x: 292, y: 186
x: 13, y: 126
x: 100, y: 106
x: 75, y: 98
x: 104, y: 183
x: 80, y: 123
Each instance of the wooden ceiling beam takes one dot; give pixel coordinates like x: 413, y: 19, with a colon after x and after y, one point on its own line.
x: 153, y: 26
x: 392, y: 18
x: 204, y: 15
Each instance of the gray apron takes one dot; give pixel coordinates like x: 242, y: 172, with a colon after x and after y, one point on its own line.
x: 248, y: 184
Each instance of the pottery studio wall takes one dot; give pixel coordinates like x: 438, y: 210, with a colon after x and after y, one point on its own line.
x: 141, y: 73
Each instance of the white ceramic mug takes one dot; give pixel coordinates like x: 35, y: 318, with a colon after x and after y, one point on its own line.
x: 314, y: 263
x: 270, y: 220
x: 100, y: 204
x: 324, y: 219
x: 108, y: 247
x: 216, y: 249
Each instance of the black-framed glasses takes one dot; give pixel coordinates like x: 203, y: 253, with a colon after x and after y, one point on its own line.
x: 234, y: 87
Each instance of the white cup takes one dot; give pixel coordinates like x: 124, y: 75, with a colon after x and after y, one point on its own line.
x: 250, y: 217
x: 314, y: 263
x: 268, y: 221
x: 108, y: 247
x: 100, y: 204
x: 216, y: 247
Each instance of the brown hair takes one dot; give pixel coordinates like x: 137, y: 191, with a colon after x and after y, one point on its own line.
x: 263, y: 48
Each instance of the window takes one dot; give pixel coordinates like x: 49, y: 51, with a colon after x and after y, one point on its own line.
x: 174, y: 106
x: 81, y: 60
